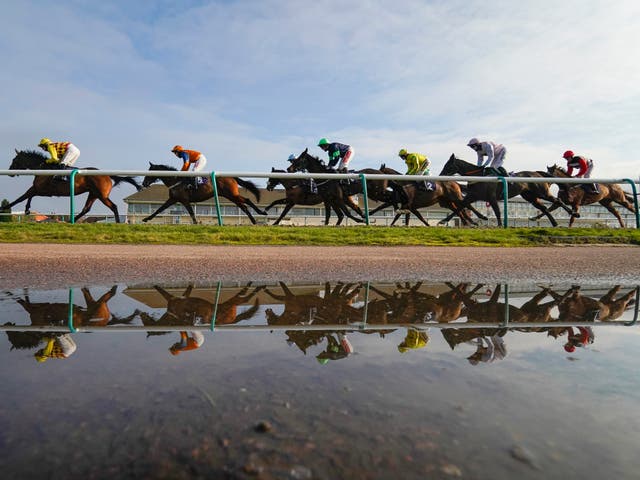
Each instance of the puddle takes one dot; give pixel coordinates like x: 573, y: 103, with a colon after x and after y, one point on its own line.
x: 320, y: 381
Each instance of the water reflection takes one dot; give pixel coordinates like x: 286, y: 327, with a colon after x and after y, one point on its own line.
x: 325, y: 318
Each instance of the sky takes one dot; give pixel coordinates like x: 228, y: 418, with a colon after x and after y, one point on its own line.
x: 250, y: 82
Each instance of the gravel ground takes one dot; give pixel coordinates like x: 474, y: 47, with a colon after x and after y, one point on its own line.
x: 54, y: 265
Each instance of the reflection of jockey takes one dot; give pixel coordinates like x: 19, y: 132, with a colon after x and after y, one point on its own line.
x: 187, y: 342
x: 584, y: 166
x: 190, y: 158
x: 414, y: 340
x: 336, y: 349
x: 309, y: 183
x: 61, y: 346
x: 495, y: 153
x: 495, y: 349
x: 417, y: 164
x: 338, y: 152
x: 583, y: 338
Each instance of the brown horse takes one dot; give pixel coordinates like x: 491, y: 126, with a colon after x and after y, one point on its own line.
x: 98, y: 186
x: 491, y: 193
x: 297, y: 194
x: 447, y: 194
x: 180, y: 192
x: 575, y: 196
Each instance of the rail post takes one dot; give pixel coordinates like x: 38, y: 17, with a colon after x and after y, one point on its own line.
x: 505, y: 190
x: 366, y: 307
x: 215, y: 308
x: 635, y: 200
x: 215, y: 197
x: 506, y: 305
x: 72, y: 195
x: 366, y: 198
x: 70, y: 324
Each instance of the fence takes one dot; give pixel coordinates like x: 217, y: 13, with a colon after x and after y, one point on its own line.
x: 335, y: 176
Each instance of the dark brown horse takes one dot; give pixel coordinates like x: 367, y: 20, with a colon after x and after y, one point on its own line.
x: 447, y: 194
x: 98, y: 186
x: 576, y: 196
x: 491, y: 193
x: 297, y: 193
x: 331, y: 191
x: 180, y: 192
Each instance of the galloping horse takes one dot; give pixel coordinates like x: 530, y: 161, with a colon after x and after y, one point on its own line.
x: 179, y: 192
x: 330, y: 190
x: 575, y: 196
x: 98, y: 186
x: 447, y: 194
x: 491, y: 193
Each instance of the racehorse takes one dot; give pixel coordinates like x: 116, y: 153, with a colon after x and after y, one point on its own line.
x: 330, y: 190
x: 491, y: 193
x: 297, y: 194
x: 447, y: 194
x: 575, y: 196
x: 98, y: 186
x: 179, y: 192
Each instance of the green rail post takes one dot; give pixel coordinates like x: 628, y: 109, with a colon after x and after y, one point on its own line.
x: 70, y: 324
x: 215, y: 308
x: 366, y: 307
x: 215, y: 197
x: 366, y: 199
x: 635, y: 200
x: 72, y: 195
x: 505, y: 190
x: 635, y: 310
x: 506, y: 304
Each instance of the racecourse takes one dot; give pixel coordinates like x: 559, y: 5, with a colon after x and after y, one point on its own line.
x: 51, y: 265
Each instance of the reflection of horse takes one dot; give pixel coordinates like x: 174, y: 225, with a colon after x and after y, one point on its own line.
x: 331, y: 191
x: 445, y: 193
x: 98, y: 186
x: 190, y: 311
x: 296, y: 194
x: 491, y: 193
x: 575, y: 307
x: 575, y: 196
x: 179, y: 192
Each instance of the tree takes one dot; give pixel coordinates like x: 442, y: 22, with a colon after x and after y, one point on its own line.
x: 5, y: 211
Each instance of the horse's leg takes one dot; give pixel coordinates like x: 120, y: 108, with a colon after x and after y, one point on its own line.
x: 282, y: 201
x: 395, y: 219
x: 170, y: 201
x: 239, y: 201
x: 608, y: 205
x: 380, y: 207
x: 496, y: 210
x: 254, y: 206
x: 346, y: 211
x: 189, y: 210
x: 354, y: 206
x: 87, y: 206
x: 29, y: 194
x: 284, y: 212
x: 535, y: 201
x: 417, y: 214
x: 111, y: 206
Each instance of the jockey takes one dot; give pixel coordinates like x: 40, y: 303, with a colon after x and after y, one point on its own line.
x: 584, y: 166
x: 417, y: 164
x: 336, y: 349
x: 337, y: 152
x: 309, y: 183
x: 495, y: 153
x: 63, y: 154
x: 583, y: 338
x: 189, y: 158
x: 61, y: 347
x: 187, y: 342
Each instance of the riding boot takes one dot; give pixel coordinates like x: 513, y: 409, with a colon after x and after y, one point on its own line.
x: 595, y: 188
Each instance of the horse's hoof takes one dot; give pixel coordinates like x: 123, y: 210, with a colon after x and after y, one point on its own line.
x: 576, y: 215
x: 533, y: 218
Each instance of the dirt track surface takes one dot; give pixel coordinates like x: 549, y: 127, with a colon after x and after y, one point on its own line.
x: 53, y: 265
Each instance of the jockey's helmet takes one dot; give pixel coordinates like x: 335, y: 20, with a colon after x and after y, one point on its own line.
x: 44, y: 142
x: 291, y: 158
x: 568, y: 155
x: 177, y: 148
x: 323, y: 141
x: 402, y: 152
x: 472, y: 142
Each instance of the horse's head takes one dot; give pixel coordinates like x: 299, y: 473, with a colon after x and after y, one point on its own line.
x: 29, y: 160
x: 273, y: 182
x: 557, y: 171
x: 450, y: 167
x: 308, y: 162
x: 155, y: 167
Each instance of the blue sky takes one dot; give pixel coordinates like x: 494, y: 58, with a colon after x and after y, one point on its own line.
x: 249, y: 82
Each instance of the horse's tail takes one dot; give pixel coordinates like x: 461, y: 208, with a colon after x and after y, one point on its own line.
x: 249, y: 186
x: 117, y: 179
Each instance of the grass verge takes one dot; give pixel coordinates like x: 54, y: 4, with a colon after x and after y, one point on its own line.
x: 267, y: 235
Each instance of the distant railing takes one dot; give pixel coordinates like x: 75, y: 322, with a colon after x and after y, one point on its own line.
x: 330, y: 176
